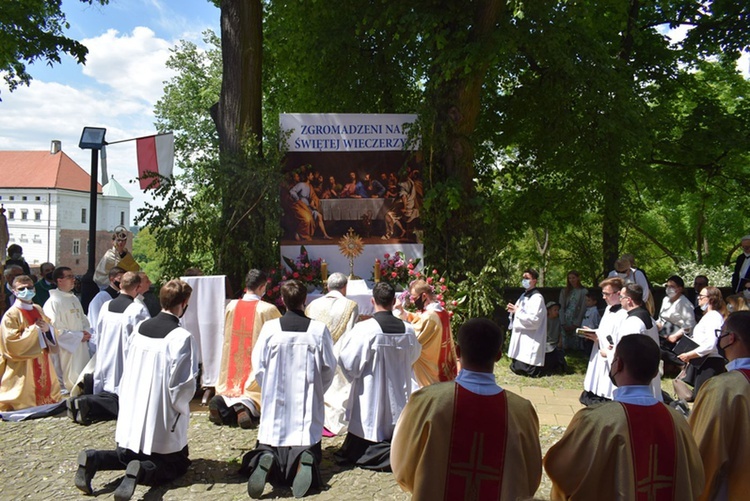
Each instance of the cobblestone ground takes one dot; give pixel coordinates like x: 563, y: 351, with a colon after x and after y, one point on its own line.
x: 38, y: 462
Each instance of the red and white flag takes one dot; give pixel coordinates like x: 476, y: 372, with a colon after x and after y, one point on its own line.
x: 155, y: 154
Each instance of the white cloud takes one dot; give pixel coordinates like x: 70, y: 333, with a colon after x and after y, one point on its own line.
x: 132, y: 65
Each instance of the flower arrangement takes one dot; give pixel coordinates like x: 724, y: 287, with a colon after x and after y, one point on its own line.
x: 397, y: 270
x: 301, y: 268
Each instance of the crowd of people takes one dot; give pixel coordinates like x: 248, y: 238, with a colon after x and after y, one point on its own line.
x: 407, y: 398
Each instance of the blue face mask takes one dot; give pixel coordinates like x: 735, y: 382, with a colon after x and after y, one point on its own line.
x: 525, y: 283
x: 25, y: 295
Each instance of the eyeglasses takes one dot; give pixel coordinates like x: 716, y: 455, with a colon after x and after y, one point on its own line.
x: 607, y: 294
x: 24, y: 288
x: 65, y: 277
x: 702, y: 296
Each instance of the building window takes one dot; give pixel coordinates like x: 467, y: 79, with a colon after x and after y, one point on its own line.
x: 24, y: 214
x: 11, y: 214
x: 76, y: 246
x: 122, y: 218
x: 23, y: 238
x: 83, y: 216
x: 12, y: 197
x: 38, y: 199
x: 23, y: 197
x: 37, y: 215
x: 37, y: 239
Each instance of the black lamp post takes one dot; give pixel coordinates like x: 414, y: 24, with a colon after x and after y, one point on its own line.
x: 92, y: 139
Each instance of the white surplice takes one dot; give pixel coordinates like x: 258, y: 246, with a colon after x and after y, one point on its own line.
x: 528, y: 339
x: 633, y: 325
x: 597, y: 373
x: 95, y: 307
x: 294, y: 370
x: 159, y: 380
x: 66, y: 315
x: 379, y: 366
x: 114, y: 332
x: 339, y: 314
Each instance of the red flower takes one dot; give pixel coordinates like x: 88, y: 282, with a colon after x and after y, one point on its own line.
x: 443, y: 288
x: 386, y: 255
x: 394, y: 274
x: 429, y: 280
x: 295, y: 275
x: 410, y: 266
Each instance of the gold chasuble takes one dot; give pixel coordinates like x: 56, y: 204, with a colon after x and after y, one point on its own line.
x: 451, y: 444
x: 447, y: 364
x: 437, y: 362
x: 625, y: 452
x: 27, y: 376
x: 721, y: 425
x: 242, y: 323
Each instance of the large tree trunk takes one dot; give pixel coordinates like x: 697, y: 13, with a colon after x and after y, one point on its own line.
x: 238, y: 121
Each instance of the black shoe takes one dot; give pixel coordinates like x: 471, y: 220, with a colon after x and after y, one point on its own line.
x: 86, y: 471
x: 257, y: 481
x: 244, y: 419
x: 213, y: 411
x: 127, y: 487
x: 71, y: 408
x: 303, y: 478
x: 82, y: 411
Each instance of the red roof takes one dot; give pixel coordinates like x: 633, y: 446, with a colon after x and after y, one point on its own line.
x: 40, y: 169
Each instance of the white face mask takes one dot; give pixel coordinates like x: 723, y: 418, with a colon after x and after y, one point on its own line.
x: 25, y: 295
x: 704, y: 306
x: 525, y: 283
x: 671, y: 292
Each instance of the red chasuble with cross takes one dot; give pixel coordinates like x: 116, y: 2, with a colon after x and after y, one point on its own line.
x: 41, y: 367
x: 652, y: 440
x: 447, y: 366
x: 477, y: 447
x: 241, y: 347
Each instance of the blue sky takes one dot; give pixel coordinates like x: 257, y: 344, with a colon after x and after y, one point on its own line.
x: 128, y: 42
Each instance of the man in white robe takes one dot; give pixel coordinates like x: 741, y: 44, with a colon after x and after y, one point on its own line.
x: 294, y: 365
x: 339, y: 314
x: 528, y: 324
x: 638, y: 321
x: 71, y: 326
x: 159, y: 380
x: 95, y: 306
x: 597, y: 387
x: 377, y: 357
x: 238, y: 395
x: 117, y: 322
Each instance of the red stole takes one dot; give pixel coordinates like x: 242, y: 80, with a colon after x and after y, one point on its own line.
x: 40, y: 366
x: 447, y: 366
x: 240, y: 347
x: 477, y: 446
x: 652, y: 440
x: 746, y: 373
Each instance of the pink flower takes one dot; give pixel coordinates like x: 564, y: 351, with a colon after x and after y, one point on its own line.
x: 434, y: 271
x: 442, y: 280
x: 443, y: 288
x: 410, y: 266
x: 411, y: 273
x: 394, y: 274
x: 386, y: 255
x: 283, y: 278
x: 454, y: 302
x: 440, y: 298
x: 429, y: 280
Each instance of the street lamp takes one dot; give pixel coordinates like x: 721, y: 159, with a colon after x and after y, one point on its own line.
x: 92, y: 139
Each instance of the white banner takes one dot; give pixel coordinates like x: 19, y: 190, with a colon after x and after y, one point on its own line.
x: 347, y: 132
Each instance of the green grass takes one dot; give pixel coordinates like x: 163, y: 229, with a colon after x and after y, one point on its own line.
x: 572, y: 380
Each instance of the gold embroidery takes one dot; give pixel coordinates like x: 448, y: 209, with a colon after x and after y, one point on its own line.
x: 654, y: 481
x: 474, y: 471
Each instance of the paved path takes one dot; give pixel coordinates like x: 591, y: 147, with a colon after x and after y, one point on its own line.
x: 37, y: 459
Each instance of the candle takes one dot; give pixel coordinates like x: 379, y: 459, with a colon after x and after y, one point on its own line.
x: 324, y: 271
x: 377, y: 270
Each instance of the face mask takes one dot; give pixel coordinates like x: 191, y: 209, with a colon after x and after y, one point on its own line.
x: 116, y: 283
x: 16, y: 255
x: 525, y: 283
x: 419, y: 303
x: 25, y: 295
x: 612, y: 377
x: 184, y: 310
x: 622, y: 275
x: 730, y: 308
x: 704, y: 306
x: 722, y: 351
x: 671, y: 292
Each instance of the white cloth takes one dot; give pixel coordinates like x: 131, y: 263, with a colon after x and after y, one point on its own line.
x: 95, y: 306
x: 379, y: 368
x: 679, y: 313
x: 705, y: 333
x: 157, y: 386
x: 294, y: 370
x: 66, y: 315
x: 339, y: 314
x: 528, y: 338
x: 633, y: 325
x: 205, y: 321
x: 114, y: 332
x: 597, y: 373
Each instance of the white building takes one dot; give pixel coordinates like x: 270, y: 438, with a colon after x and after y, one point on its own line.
x: 46, y: 199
